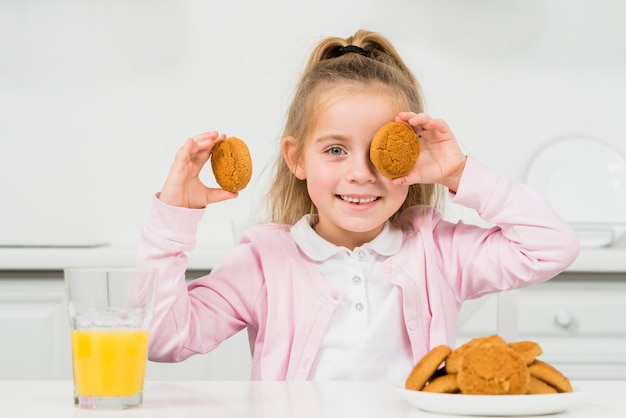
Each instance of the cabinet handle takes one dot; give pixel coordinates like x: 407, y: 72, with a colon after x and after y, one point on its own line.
x: 563, y: 319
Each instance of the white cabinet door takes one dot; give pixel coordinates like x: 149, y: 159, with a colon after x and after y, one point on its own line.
x: 35, y: 342
x: 33, y: 325
x: 578, y: 323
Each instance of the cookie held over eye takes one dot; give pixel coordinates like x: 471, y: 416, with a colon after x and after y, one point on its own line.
x: 231, y: 164
x: 394, y: 149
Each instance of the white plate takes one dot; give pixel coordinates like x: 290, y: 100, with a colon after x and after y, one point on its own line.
x: 584, y: 180
x: 491, y: 405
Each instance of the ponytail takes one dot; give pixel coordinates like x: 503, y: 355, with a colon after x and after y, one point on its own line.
x: 373, y: 45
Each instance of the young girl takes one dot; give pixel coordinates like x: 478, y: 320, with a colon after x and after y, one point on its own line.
x: 357, y: 276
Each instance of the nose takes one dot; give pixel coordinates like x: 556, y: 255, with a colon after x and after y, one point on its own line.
x: 361, y: 169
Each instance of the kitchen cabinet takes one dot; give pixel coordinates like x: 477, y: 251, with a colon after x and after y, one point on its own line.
x: 577, y: 318
x: 36, y: 337
x: 33, y: 327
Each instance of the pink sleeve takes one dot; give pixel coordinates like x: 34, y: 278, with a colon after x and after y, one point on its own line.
x: 196, y: 318
x: 529, y: 242
x: 169, y: 233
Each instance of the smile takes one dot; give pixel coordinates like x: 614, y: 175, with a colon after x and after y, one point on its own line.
x: 359, y: 200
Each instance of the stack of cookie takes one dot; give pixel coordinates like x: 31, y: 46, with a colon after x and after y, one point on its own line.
x: 487, y: 366
x: 394, y: 149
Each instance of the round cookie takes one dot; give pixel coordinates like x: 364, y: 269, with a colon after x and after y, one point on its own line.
x: 527, y: 350
x: 426, y: 367
x: 231, y: 164
x: 453, y: 363
x: 394, y: 149
x: 546, y: 372
x: 538, y: 386
x: 493, y: 369
x: 443, y: 384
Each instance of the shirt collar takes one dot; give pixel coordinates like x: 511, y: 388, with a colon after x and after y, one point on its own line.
x: 387, y: 243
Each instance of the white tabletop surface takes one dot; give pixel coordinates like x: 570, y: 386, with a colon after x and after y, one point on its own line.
x: 602, y: 260
x: 226, y: 399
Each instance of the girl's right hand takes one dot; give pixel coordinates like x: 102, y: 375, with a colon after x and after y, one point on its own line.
x: 183, y: 186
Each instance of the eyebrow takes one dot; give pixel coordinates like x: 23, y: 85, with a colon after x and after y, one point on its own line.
x: 330, y: 138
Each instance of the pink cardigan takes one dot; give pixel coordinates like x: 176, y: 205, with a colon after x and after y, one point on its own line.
x: 267, y: 285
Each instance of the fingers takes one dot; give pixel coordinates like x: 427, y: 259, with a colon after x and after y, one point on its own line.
x: 440, y: 156
x: 183, y: 186
x: 206, y: 139
x: 218, y: 195
x: 415, y: 120
x: 423, y: 122
x: 196, y: 151
x: 412, y: 118
x: 400, y: 181
x: 199, y: 145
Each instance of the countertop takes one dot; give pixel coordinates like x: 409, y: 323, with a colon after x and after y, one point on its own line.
x: 603, y: 260
x: 230, y: 399
x: 57, y: 258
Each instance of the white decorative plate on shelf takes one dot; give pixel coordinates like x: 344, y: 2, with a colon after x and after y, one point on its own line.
x: 584, y: 180
x: 491, y: 405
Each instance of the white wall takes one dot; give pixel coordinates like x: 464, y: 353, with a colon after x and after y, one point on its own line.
x: 97, y: 96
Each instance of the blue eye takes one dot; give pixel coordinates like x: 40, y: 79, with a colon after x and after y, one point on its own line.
x: 335, y: 151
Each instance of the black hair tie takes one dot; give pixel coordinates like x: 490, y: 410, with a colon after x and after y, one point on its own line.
x: 352, y: 48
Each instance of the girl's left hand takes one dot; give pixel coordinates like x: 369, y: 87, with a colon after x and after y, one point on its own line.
x: 441, y: 160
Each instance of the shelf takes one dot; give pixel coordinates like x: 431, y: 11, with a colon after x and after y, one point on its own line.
x: 49, y: 258
x: 604, y: 260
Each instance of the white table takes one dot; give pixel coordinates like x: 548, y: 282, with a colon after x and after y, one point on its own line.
x: 229, y: 399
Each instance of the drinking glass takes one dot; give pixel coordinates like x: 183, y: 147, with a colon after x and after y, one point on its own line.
x: 109, y: 311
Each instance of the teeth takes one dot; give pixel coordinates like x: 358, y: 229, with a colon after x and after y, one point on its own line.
x: 358, y: 200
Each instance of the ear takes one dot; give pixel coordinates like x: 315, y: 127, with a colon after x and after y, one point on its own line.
x: 290, y: 154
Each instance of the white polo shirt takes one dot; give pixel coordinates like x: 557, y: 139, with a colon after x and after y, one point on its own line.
x: 366, y: 338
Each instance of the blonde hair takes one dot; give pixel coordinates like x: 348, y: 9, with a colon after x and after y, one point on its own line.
x: 377, y: 65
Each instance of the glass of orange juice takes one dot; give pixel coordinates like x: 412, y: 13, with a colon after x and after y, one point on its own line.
x: 109, y: 311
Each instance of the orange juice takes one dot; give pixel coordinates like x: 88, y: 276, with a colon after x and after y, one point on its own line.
x: 109, y: 363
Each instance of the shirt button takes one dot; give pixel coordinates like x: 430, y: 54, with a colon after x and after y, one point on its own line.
x: 356, y: 280
x: 361, y: 255
x: 359, y: 307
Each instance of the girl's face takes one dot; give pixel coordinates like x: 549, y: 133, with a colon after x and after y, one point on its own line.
x: 352, y: 198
